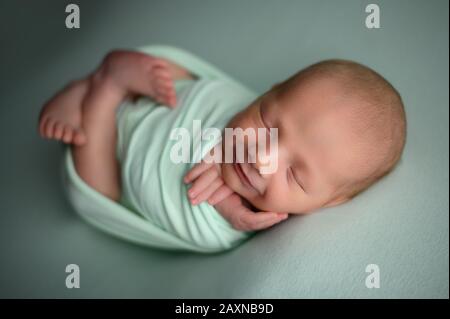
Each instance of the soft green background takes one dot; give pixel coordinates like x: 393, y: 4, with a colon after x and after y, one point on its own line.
x: 401, y: 224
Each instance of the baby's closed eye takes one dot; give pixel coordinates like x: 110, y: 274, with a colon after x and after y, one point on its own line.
x: 291, y: 176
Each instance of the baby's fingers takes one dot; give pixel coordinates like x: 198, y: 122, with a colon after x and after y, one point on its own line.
x: 207, y: 192
x: 202, y: 182
x: 196, y: 171
x: 220, y: 194
x: 250, y: 221
x: 269, y: 223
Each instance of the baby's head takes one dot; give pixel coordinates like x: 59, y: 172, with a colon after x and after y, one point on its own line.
x: 341, y: 128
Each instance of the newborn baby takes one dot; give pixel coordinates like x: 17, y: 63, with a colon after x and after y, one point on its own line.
x: 340, y: 128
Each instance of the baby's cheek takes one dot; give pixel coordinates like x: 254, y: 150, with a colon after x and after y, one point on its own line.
x: 275, y: 199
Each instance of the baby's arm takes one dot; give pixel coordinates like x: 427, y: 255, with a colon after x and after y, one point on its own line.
x: 208, y: 185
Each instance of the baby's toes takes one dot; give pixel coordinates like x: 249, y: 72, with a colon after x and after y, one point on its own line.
x: 68, y: 134
x: 161, y: 74
x: 159, y: 63
x: 171, y: 99
x: 49, y: 126
x: 58, y: 131
x: 166, y: 96
x: 79, y: 138
x: 170, y: 96
x: 165, y: 90
x: 164, y: 86
x: 42, y: 126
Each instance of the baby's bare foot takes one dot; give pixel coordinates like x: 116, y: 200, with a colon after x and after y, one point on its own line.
x: 60, y: 117
x: 141, y: 74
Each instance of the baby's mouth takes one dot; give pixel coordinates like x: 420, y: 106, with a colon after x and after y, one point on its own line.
x: 243, y: 177
x: 240, y: 172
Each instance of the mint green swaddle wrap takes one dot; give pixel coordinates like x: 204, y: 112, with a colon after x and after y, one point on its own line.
x: 154, y: 209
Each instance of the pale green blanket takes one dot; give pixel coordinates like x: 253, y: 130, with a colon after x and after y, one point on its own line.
x: 154, y: 209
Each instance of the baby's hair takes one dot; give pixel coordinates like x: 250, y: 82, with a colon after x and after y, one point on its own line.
x: 379, y: 114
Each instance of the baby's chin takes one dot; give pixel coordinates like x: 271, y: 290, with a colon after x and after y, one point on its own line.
x: 231, y: 181
x: 255, y: 203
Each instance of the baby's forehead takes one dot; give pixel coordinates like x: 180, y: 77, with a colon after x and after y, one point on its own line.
x: 318, y: 94
x: 328, y: 113
x: 320, y: 106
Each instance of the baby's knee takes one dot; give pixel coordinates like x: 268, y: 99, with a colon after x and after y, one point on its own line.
x: 123, y: 58
x: 112, y: 57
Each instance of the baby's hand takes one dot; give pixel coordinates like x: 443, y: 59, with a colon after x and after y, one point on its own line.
x: 243, y: 218
x: 207, y: 184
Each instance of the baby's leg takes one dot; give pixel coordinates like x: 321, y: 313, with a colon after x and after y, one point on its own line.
x: 121, y: 74
x: 140, y: 74
x: 83, y: 114
x: 95, y: 160
x: 60, y: 117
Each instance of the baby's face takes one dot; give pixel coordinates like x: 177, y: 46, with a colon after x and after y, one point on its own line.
x: 316, y: 150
